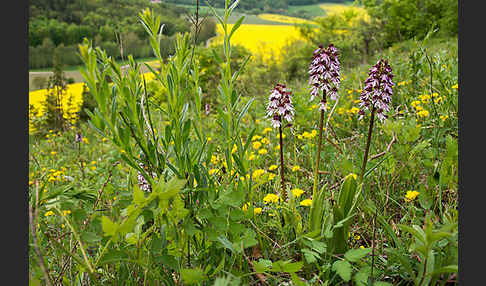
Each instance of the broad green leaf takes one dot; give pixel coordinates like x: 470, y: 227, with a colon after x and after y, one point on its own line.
x: 343, y: 269
x: 292, y: 267
x: 138, y: 196
x: 262, y: 265
x: 354, y: 255
x: 109, y: 227
x: 192, y: 276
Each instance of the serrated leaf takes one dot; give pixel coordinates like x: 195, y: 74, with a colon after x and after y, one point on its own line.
x: 192, y: 276
x: 354, y: 255
x: 262, y: 265
x: 343, y: 269
x: 109, y: 227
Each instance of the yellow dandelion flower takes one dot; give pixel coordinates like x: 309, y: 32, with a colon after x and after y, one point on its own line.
x: 354, y: 110
x: 53, y: 152
x: 212, y: 171
x: 295, y: 168
x: 299, y: 136
x: 85, y: 140
x: 245, y: 207
x: 297, y: 192
x: 265, y: 141
x: 444, y: 117
x: 257, y: 173
x: 209, y: 139
x: 48, y: 213
x: 214, y: 160
x: 271, y: 176
x: 262, y: 151
x: 266, y: 130
x: 256, y: 137
x: 252, y: 156
x: 93, y: 168
x: 306, y: 203
x: 257, y: 211
x: 423, y: 113
x: 283, y: 136
x: 272, y: 167
x: 257, y: 145
x: 271, y: 198
x: 276, y: 147
x: 104, y: 139
x: 438, y: 100
x: 411, y: 195
x: 456, y: 86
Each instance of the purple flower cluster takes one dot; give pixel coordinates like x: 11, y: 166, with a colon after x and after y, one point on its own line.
x: 324, y: 74
x: 280, y: 105
x: 378, y: 90
x: 142, y: 182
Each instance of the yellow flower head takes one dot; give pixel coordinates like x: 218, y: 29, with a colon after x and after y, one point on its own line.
x: 271, y: 176
x: 53, y: 153
x: 262, y: 151
x: 411, y: 195
x: 48, y: 213
x: 265, y: 141
x: 271, y: 198
x: 214, y: 160
x: 256, y: 137
x: 306, y: 203
x: 295, y: 168
x: 234, y: 149
x: 257, y: 211
x: 212, y: 171
x: 444, y: 117
x: 297, y: 192
x: 257, y: 173
x: 257, y: 145
x: 272, y: 167
x: 456, y: 86
x: 423, y: 113
x: 252, y: 156
x: 266, y: 130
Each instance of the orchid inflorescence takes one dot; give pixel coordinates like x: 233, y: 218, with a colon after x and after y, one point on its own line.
x: 280, y: 105
x: 324, y: 73
x: 378, y: 90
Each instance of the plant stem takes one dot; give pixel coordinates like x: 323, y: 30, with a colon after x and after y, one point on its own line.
x: 373, y: 244
x: 282, y: 176
x: 368, y: 141
x: 318, y: 155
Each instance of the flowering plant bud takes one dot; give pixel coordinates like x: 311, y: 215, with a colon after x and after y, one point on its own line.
x: 280, y: 105
x: 378, y: 90
x: 325, y: 74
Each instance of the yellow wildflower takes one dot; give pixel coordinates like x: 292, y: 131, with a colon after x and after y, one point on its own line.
x: 438, y: 100
x: 93, y: 168
x: 411, y: 195
x: 66, y: 212
x: 272, y: 167
x: 423, y: 113
x: 295, y: 168
x: 257, y: 173
x: 299, y: 136
x: 209, y: 139
x: 297, y: 192
x: 354, y: 110
x: 48, y: 213
x: 245, y: 207
x: 265, y: 141
x: 271, y: 176
x: 256, y: 137
x: 212, y: 171
x: 306, y: 203
x: 85, y: 140
x: 53, y: 153
x: 283, y: 136
x: 262, y: 151
x: 444, y: 117
x: 257, y: 145
x: 415, y: 103
x: 257, y: 211
x: 214, y: 160
x: 276, y: 147
x: 271, y: 198
x: 252, y: 156
x: 104, y: 139
x: 456, y: 86
x: 266, y: 130
x: 234, y: 149
x: 356, y: 101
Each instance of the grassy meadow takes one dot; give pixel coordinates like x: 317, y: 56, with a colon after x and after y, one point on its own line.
x: 178, y: 175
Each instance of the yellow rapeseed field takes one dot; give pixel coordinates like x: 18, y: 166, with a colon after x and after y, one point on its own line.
x: 340, y: 8
x: 71, y: 101
x: 265, y: 40
x: 283, y: 19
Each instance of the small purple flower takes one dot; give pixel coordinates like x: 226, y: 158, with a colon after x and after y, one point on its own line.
x: 142, y: 182
x: 324, y: 73
x: 208, y: 108
x: 78, y: 138
x: 280, y: 105
x: 378, y: 90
